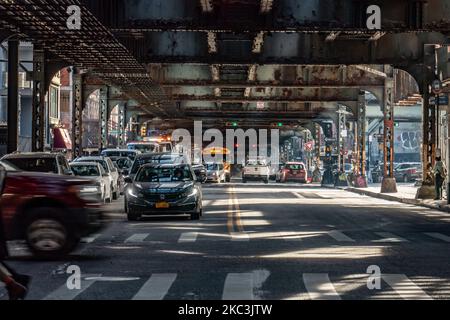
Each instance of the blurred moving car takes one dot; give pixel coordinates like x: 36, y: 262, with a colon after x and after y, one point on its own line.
x: 144, y: 147
x: 51, y: 212
x: 293, y: 171
x: 200, y: 172
x: 94, y: 171
x: 39, y: 162
x: 256, y: 169
x: 115, y: 154
x: 215, y: 172
x: 164, y: 189
x: 408, y: 172
x: 109, y: 168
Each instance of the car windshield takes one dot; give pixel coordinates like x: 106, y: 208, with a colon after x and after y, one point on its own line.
x: 212, y: 166
x: 144, y: 147
x: 85, y: 170
x: 47, y: 165
x: 295, y: 167
x: 102, y: 162
x: 152, y: 174
x: 8, y: 167
x: 119, y: 154
x: 159, y: 159
x: 124, y: 163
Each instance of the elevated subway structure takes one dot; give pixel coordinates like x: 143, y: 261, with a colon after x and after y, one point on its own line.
x: 218, y: 60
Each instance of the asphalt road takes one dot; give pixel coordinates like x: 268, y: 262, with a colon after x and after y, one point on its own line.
x: 259, y: 241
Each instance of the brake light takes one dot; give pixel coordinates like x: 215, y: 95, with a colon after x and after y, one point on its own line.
x: 412, y: 171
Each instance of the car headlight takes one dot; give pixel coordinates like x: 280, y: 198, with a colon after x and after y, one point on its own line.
x: 190, y: 193
x: 134, y: 193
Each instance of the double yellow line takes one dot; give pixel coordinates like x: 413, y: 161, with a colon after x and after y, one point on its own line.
x: 234, y: 222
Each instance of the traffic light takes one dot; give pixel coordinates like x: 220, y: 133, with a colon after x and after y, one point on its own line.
x: 328, y: 151
x: 144, y: 130
x: 279, y: 124
x: 396, y: 124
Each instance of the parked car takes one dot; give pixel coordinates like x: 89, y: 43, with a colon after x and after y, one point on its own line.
x: 215, y: 172
x: 200, y: 172
x: 408, y: 172
x: 293, y: 171
x: 110, y: 169
x: 257, y: 169
x: 115, y: 154
x: 94, y: 171
x: 39, y: 162
x: 163, y: 189
x: 124, y: 164
x: 51, y: 212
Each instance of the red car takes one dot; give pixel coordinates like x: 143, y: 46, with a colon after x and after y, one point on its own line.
x: 51, y: 212
x: 293, y: 171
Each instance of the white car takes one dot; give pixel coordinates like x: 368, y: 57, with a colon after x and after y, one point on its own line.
x: 257, y: 169
x: 94, y: 171
x: 109, y: 168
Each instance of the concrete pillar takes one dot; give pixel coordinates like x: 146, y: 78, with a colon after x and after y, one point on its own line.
x: 13, y: 94
x: 77, y: 115
x: 388, y: 184
x: 39, y: 92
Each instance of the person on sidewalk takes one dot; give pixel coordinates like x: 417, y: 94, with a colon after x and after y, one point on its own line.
x: 440, y: 173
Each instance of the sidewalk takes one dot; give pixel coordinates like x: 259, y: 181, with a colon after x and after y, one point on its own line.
x: 406, y: 194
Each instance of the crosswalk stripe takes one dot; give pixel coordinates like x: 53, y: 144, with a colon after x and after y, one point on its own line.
x: 297, y: 195
x: 389, y: 237
x: 64, y: 293
x: 157, y: 287
x: 238, y: 286
x: 404, y: 287
x: 240, y: 236
x: 340, y: 236
x: 91, y: 238
x: 138, y: 237
x: 319, y: 287
x: 188, y: 237
x: 438, y: 236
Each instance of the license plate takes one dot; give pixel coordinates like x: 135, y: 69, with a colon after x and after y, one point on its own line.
x: 162, y: 205
x: 295, y: 172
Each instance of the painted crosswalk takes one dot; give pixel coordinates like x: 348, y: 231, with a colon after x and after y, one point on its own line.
x: 253, y: 285
x: 340, y: 236
x: 188, y: 237
x: 389, y: 237
x: 138, y: 237
x: 438, y: 236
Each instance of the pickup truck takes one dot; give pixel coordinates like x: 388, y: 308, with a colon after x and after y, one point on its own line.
x: 256, y: 170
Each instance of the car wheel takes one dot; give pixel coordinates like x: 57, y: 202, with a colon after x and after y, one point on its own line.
x: 115, y: 194
x: 195, y: 216
x: 47, y: 236
x: 132, y: 216
x: 228, y: 178
x: 244, y: 180
x: 266, y: 181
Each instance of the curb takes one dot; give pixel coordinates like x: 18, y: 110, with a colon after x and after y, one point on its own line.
x: 387, y: 197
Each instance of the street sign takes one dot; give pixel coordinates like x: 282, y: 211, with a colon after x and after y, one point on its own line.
x: 260, y: 105
x: 344, y: 133
x: 443, y: 100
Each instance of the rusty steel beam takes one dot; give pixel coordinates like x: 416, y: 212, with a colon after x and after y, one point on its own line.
x: 39, y: 91
x: 213, y: 98
x: 255, y: 85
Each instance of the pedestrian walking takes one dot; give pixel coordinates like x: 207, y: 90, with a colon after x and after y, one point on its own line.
x: 440, y: 173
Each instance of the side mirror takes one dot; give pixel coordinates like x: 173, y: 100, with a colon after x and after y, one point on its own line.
x: 125, y: 172
x: 128, y: 180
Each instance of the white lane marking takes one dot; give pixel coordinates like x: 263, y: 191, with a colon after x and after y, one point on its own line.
x: 238, y: 286
x: 240, y: 236
x: 320, y: 287
x: 439, y: 236
x: 405, y: 288
x: 188, y: 237
x: 157, y: 287
x: 64, y: 293
x: 389, y: 237
x: 340, y: 236
x: 297, y: 195
x: 91, y: 238
x: 137, y: 237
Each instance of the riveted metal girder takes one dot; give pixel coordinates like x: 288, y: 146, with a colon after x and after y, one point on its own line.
x: 104, y: 115
x: 39, y: 91
x: 77, y: 115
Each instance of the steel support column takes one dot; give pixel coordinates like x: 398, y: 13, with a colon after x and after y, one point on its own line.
x: 361, y: 179
x: 39, y: 91
x: 77, y: 115
x: 13, y: 94
x: 342, y: 127
x: 388, y: 184
x: 104, y: 114
x: 122, y: 124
